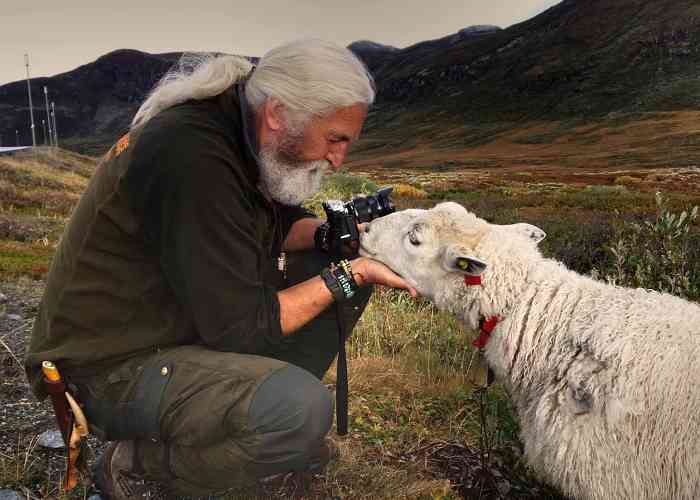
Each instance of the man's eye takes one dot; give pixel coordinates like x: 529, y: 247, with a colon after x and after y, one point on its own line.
x: 413, y: 239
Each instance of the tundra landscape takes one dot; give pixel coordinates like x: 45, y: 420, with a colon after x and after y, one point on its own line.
x: 582, y: 121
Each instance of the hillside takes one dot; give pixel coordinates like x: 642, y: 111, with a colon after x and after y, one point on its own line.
x: 37, y: 192
x: 578, y: 57
x: 94, y: 103
x: 593, y: 62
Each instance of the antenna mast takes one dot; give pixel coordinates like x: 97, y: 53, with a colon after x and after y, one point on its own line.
x: 55, y: 133
x: 48, y: 115
x: 31, y: 107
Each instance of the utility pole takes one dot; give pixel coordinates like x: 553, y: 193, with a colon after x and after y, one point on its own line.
x: 17, y: 137
x: 48, y: 115
x: 31, y: 107
x: 43, y: 126
x: 55, y: 133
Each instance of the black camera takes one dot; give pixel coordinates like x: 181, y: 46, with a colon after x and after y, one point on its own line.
x: 343, y: 237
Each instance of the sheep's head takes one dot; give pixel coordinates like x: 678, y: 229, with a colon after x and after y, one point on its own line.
x: 431, y: 247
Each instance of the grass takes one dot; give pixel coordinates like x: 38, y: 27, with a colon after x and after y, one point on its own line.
x: 22, y: 259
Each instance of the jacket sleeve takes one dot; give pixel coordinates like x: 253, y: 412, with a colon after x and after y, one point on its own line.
x: 201, y: 222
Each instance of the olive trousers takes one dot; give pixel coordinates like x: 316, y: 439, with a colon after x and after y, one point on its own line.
x: 205, y: 421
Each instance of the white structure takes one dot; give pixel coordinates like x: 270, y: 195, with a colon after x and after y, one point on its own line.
x: 31, y: 105
x: 48, y: 115
x: 12, y: 150
x: 605, y: 380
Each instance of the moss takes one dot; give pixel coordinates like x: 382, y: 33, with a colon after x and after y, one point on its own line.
x: 23, y: 259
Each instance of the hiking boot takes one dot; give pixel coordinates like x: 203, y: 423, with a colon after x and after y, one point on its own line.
x: 326, y: 452
x: 296, y: 483
x: 114, y: 475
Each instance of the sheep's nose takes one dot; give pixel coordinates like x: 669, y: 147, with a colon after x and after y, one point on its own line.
x: 366, y: 228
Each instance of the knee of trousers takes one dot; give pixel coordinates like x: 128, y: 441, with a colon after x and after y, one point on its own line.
x: 291, y: 412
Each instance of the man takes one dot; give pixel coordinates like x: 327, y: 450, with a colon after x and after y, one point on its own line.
x: 184, y: 301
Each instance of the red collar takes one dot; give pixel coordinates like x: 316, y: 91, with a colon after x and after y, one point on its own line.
x: 488, y: 324
x: 472, y: 280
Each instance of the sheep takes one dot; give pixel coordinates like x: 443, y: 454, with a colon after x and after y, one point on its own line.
x: 603, y: 378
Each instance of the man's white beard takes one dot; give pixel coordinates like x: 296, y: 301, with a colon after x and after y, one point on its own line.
x: 286, y: 183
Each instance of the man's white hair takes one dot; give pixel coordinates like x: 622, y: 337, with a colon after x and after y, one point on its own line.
x: 310, y: 77
x: 196, y: 76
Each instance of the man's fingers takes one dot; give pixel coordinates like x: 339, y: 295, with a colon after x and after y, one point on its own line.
x: 381, y: 274
x: 399, y: 282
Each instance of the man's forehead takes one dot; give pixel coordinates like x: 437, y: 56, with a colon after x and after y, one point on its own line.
x: 346, y: 122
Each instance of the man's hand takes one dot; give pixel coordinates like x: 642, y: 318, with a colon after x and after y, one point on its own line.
x: 369, y: 271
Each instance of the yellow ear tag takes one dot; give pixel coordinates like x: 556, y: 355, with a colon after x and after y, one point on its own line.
x: 462, y: 263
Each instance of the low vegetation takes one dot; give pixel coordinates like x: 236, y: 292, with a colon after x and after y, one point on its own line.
x: 421, y: 426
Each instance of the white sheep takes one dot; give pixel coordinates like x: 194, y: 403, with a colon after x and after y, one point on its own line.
x: 605, y: 380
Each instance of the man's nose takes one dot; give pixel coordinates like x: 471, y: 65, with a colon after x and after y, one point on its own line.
x: 336, y: 155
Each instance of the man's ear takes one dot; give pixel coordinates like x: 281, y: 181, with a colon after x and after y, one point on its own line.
x: 457, y: 258
x: 273, y: 116
x: 529, y: 231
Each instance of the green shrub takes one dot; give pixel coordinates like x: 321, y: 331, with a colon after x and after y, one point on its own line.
x: 580, y: 241
x: 661, y: 254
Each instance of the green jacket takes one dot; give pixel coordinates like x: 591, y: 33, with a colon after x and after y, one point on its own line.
x: 172, y: 243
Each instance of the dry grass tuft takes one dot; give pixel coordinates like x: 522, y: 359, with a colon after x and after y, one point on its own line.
x: 627, y: 180
x: 408, y: 191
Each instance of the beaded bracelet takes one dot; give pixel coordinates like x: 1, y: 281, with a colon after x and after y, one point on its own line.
x: 340, y: 281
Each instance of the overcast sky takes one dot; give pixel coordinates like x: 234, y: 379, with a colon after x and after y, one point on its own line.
x: 61, y: 35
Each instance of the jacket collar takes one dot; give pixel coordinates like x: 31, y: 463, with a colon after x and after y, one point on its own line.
x: 240, y: 117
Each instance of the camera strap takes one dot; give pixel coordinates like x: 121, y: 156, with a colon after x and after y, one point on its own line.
x: 341, y: 382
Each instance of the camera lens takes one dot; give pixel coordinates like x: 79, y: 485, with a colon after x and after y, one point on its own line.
x: 368, y: 208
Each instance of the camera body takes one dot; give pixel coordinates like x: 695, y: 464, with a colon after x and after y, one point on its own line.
x: 343, y: 218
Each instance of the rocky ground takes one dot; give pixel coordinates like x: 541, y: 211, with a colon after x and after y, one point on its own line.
x: 23, y: 419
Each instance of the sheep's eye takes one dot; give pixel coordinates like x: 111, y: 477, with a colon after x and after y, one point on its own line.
x: 413, y: 238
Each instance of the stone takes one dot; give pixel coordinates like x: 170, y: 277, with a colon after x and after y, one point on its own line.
x: 10, y: 495
x: 51, y: 439
x: 14, y: 317
x: 3, y: 298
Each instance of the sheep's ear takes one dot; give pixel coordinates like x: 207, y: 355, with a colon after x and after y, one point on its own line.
x: 457, y: 258
x: 529, y: 231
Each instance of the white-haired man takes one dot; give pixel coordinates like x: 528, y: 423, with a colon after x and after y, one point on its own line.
x: 169, y: 306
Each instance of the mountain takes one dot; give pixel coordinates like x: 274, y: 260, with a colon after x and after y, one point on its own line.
x: 579, y: 59
x: 373, y: 54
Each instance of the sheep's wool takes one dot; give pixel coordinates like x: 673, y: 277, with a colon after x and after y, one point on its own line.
x: 604, y: 379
